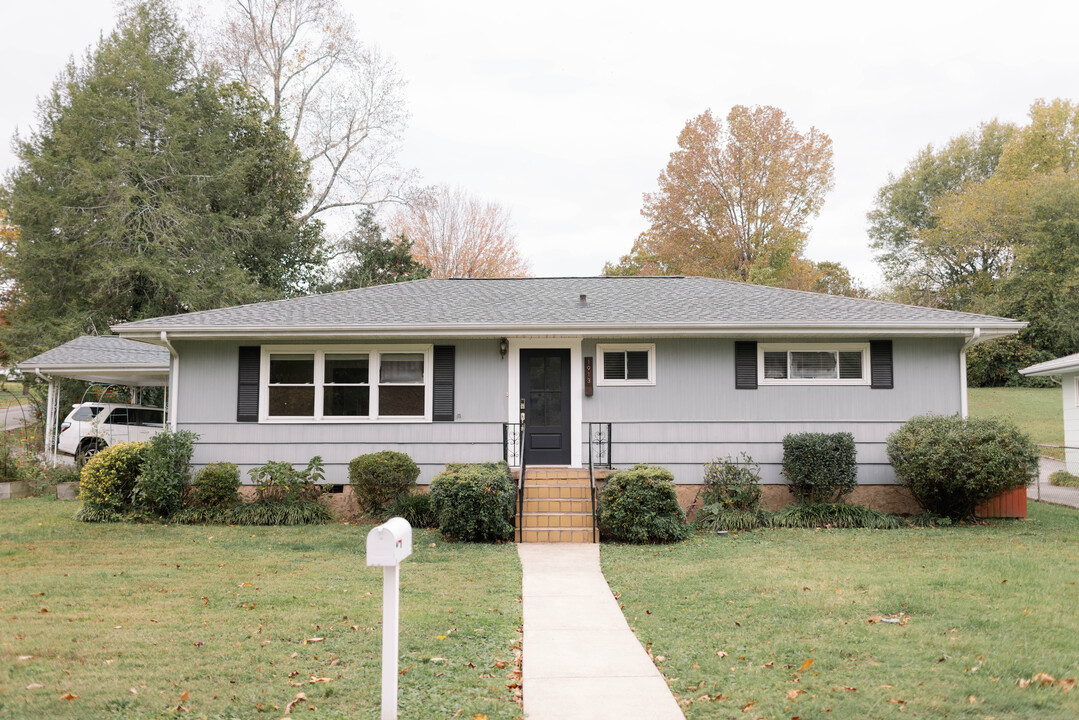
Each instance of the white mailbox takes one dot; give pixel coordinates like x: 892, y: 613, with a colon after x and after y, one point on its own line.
x: 389, y: 543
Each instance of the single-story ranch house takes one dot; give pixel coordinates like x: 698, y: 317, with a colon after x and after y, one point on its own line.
x: 673, y: 371
x: 1067, y: 368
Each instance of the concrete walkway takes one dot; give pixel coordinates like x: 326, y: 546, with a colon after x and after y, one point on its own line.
x: 580, y: 659
x: 1045, y: 492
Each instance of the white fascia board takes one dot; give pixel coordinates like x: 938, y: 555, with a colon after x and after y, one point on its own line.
x: 989, y: 330
x: 1067, y: 364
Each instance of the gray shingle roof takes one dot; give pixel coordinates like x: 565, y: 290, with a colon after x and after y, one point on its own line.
x: 487, y: 306
x: 100, y: 350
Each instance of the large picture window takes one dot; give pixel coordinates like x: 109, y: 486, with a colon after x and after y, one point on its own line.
x: 335, y: 384
x: 813, y: 364
x: 626, y: 364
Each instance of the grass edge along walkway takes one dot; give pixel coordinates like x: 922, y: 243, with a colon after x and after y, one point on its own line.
x: 936, y: 622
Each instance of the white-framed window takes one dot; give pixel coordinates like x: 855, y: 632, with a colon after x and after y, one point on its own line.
x: 345, y: 383
x: 633, y: 364
x: 813, y: 363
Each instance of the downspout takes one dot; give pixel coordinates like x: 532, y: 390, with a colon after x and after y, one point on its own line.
x: 174, y: 373
x: 962, y: 370
x: 50, y: 416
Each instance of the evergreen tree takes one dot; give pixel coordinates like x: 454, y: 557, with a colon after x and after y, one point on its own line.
x: 149, y: 188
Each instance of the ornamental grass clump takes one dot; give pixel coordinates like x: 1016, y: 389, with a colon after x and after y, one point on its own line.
x: 285, y: 496
x: 474, y: 503
x: 1063, y: 478
x: 731, y: 497
x: 107, y: 482
x: 834, y: 515
x: 952, y: 464
x: 641, y: 506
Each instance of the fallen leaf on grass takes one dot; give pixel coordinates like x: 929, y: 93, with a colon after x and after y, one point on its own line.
x: 748, y: 705
x: 791, y: 694
x: 34, y: 686
x: 479, y: 716
x: 721, y: 654
x: 500, y: 664
x: 805, y: 666
x: 69, y: 696
x: 313, y: 640
x: 26, y: 657
x: 317, y: 679
x: 300, y: 697
x: 768, y: 665
x: 1047, y: 680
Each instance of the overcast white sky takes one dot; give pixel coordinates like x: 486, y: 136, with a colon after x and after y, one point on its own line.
x: 566, y: 112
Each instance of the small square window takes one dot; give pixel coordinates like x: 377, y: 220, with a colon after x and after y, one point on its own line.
x: 626, y: 364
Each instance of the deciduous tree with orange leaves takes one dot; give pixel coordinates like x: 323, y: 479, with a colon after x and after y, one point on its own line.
x: 458, y: 235
x: 735, y: 201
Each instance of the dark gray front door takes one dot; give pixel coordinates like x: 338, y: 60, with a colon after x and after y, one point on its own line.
x: 545, y: 391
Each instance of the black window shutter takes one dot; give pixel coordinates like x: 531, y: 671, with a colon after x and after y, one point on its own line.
x: 443, y: 382
x: 745, y: 365
x: 880, y: 364
x: 247, y: 394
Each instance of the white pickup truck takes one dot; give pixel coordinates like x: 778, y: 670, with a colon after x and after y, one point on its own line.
x: 92, y: 426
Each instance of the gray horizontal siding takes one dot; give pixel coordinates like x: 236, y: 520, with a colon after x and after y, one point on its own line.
x: 684, y: 448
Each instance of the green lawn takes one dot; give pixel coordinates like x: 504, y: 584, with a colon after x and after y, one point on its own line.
x: 233, y: 622
x: 737, y: 620
x: 11, y: 394
x: 1038, y: 411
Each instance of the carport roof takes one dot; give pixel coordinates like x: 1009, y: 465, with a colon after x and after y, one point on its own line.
x: 104, y: 359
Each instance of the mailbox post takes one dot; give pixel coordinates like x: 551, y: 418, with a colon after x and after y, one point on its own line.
x: 387, y: 545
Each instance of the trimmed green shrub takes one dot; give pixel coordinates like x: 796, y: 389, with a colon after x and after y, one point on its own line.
x: 733, y: 483
x: 951, y: 464
x: 107, y: 482
x: 216, y: 485
x: 834, y: 515
x: 820, y: 467
x: 641, y: 506
x: 379, y: 479
x: 166, y: 470
x: 416, y: 508
x: 474, y: 503
x: 1063, y: 478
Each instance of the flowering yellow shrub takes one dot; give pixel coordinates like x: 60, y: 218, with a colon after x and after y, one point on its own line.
x: 108, y: 480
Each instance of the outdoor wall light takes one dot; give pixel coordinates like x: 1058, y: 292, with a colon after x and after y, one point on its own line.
x: 503, y: 347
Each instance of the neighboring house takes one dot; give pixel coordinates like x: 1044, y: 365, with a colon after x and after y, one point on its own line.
x: 685, y: 369
x: 1067, y: 368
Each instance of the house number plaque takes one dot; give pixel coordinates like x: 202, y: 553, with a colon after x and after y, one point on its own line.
x: 588, y: 377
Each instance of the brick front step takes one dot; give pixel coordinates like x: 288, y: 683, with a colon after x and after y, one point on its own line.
x: 561, y: 535
x: 558, y: 505
x: 556, y: 520
x: 554, y: 492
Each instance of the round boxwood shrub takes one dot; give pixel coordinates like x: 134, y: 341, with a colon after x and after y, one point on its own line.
x: 474, y: 503
x: 216, y: 485
x: 820, y: 467
x: 641, y: 506
x: 951, y: 464
x: 378, y: 479
x: 107, y: 481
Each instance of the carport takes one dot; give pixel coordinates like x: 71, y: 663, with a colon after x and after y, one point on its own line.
x: 106, y: 359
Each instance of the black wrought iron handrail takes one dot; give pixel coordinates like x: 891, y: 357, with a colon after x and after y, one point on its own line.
x: 599, y: 434
x: 521, y: 487
x: 513, y: 452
